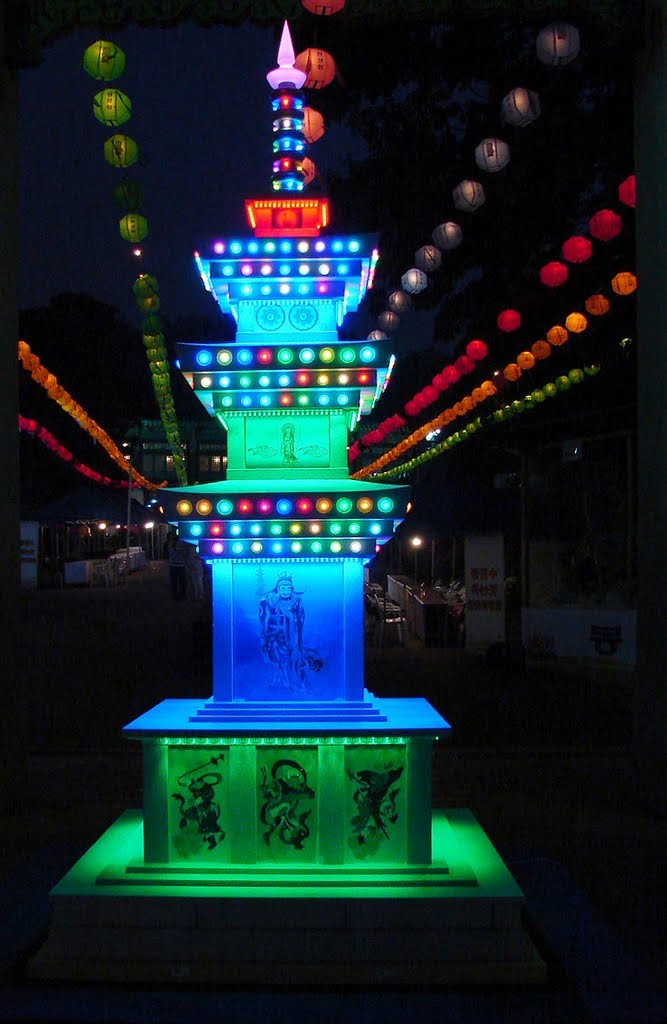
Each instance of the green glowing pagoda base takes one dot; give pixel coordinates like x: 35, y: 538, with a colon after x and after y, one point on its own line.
x: 457, y: 920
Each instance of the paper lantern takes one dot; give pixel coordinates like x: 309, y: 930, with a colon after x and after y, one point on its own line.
x: 525, y: 360
x: 388, y: 321
x: 430, y: 394
x: 476, y: 350
x: 556, y: 335
x: 145, y: 285
x: 399, y: 302
x: 597, y: 305
x: 541, y: 349
x: 428, y: 258
x: 512, y: 371
x: 557, y: 44
x: 103, y: 61
x: 128, y: 195
x: 550, y: 390
x: 413, y: 281
x: 148, y: 303
x: 308, y: 169
x: 133, y: 227
x: 377, y: 336
x: 411, y: 408
x: 152, y: 326
x: 576, y: 323
x: 592, y: 370
x: 316, y: 7
x: 576, y: 375
x: 313, y: 124
x: 576, y: 249
x: 624, y: 283
x: 450, y: 374
x: 318, y: 66
x: 563, y: 383
x: 121, y: 151
x: 464, y: 364
x: 509, y: 320
x: 520, y: 107
x: 468, y: 195
x: 553, y: 274
x: 488, y: 388
x: 112, y: 107
x: 492, y: 155
x: 627, y: 191
x: 447, y: 235
x: 605, y: 225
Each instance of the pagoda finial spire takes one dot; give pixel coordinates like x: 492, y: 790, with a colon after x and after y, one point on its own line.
x: 285, y: 73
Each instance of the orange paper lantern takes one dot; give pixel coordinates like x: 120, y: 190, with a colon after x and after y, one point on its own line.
x: 317, y: 7
x: 556, y: 335
x: 318, y: 66
x: 597, y: 305
x: 526, y: 360
x: 512, y: 371
x: 624, y: 283
x: 313, y: 124
x: 576, y: 322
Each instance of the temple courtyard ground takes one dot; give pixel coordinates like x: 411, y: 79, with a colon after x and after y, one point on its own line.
x: 541, y: 755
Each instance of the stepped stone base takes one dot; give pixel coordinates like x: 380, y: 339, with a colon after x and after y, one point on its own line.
x: 456, y: 921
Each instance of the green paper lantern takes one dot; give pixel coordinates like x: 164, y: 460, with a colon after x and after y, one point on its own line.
x: 145, y: 285
x: 592, y: 370
x: 152, y: 325
x: 538, y: 395
x: 121, y: 151
x: 128, y: 195
x: 517, y: 405
x: 550, y: 390
x: 576, y: 375
x: 103, y: 60
x: 133, y: 227
x: 112, y: 107
x: 149, y: 303
x: 563, y: 383
x: 153, y: 340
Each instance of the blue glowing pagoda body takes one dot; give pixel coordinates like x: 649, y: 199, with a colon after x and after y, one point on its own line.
x: 287, y: 833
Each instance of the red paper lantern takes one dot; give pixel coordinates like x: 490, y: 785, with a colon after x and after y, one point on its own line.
x: 476, y: 350
x: 411, y: 408
x: 605, y: 225
x: 450, y: 374
x: 576, y: 249
x: 317, y: 7
x: 509, y: 320
x: 627, y: 191
x: 464, y: 364
x: 430, y: 393
x: 439, y: 382
x: 553, y: 274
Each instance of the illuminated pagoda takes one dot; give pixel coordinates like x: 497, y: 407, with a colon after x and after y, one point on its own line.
x: 287, y: 832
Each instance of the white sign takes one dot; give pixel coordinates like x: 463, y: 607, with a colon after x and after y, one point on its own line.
x: 29, y: 552
x: 597, y: 634
x: 485, y: 590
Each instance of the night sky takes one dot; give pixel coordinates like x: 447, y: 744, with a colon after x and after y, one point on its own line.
x: 202, y: 120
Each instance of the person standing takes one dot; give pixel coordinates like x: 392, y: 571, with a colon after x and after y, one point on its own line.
x: 176, y: 556
x: 194, y: 568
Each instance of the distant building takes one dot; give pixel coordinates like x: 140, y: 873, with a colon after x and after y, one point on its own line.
x: 204, y: 444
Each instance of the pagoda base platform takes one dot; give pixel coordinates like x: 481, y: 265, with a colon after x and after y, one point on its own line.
x: 456, y: 921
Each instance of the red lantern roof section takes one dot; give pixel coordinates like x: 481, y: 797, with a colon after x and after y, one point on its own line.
x: 274, y: 218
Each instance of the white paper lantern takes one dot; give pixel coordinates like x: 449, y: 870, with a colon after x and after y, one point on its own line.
x: 520, y: 107
x: 399, y: 302
x: 428, y: 258
x: 468, y: 195
x: 447, y: 235
x: 388, y: 321
x: 557, y: 44
x: 377, y: 336
x: 492, y: 155
x: 414, y: 280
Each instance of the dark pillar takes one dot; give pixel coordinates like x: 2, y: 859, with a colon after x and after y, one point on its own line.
x: 651, y: 167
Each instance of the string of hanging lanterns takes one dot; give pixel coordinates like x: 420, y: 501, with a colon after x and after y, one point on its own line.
x: 58, y: 394
x: 32, y: 427
x: 623, y: 284
x: 528, y: 402
x: 508, y: 321
x: 556, y: 46
x: 104, y: 61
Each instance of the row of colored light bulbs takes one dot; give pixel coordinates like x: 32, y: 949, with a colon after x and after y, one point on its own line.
x: 529, y: 401
x: 284, y: 506
x: 266, y: 401
x: 296, y: 547
x: 286, y: 246
x: 284, y: 356
x: 55, y: 391
x: 285, y: 288
x: 277, y: 529
x: 623, y: 284
x: 30, y: 426
x: 286, y: 380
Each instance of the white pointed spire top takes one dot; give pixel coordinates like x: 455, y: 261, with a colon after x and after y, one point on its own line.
x: 286, y: 74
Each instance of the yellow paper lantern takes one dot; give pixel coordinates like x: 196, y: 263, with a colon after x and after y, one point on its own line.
x: 556, y: 335
x: 133, y: 227
x: 624, y: 283
x: 318, y: 66
x: 103, y: 60
x: 121, y: 151
x: 112, y: 107
x: 313, y: 124
x: 576, y: 322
